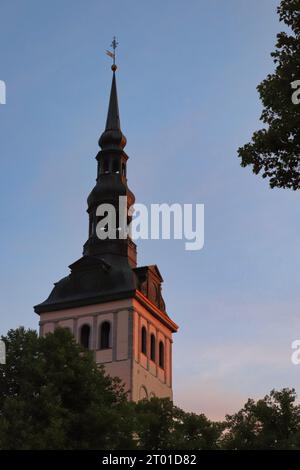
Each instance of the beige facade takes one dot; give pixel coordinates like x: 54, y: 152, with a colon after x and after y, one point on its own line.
x: 143, y: 364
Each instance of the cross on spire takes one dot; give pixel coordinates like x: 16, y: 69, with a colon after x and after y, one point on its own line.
x: 111, y: 54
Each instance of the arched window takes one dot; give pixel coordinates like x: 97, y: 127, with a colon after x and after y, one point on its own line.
x: 144, y: 340
x: 152, y: 347
x: 105, y: 166
x: 115, y: 166
x: 105, y: 335
x: 161, y: 355
x: 143, y: 395
x: 85, y: 336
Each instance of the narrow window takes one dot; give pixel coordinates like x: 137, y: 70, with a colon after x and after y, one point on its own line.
x: 123, y: 169
x: 105, y: 335
x: 143, y: 393
x: 105, y: 166
x: 152, y: 347
x: 85, y: 336
x: 161, y: 355
x: 115, y: 166
x: 144, y: 340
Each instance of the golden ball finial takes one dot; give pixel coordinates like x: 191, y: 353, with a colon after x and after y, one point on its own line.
x: 114, y: 67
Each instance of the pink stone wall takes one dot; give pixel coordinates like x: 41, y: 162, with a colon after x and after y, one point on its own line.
x: 148, y: 377
x: 141, y: 375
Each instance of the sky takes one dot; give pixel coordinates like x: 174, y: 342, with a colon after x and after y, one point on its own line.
x: 187, y: 77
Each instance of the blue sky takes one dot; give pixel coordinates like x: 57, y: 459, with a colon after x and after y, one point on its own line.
x: 187, y: 78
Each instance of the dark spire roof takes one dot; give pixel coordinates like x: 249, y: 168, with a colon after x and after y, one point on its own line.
x: 113, y: 117
x: 113, y: 137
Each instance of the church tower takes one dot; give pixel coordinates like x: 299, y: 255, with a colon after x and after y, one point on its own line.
x: 110, y: 305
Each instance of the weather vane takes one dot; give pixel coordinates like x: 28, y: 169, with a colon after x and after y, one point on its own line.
x: 111, y: 54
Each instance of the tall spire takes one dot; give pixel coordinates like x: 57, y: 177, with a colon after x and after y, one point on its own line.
x: 113, y: 116
x: 113, y: 137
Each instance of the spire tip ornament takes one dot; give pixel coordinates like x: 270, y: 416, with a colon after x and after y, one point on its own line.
x: 111, y: 54
x: 112, y: 137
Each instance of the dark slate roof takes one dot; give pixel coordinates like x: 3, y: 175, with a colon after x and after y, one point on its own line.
x: 92, y: 280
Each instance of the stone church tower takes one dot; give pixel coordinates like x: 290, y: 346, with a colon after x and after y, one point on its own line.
x: 111, y: 306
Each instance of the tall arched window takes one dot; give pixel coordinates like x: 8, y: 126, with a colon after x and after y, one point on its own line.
x: 85, y: 336
x: 144, y: 340
x: 105, y: 166
x: 105, y: 335
x: 161, y: 355
x: 115, y: 166
x: 143, y: 393
x: 152, y: 347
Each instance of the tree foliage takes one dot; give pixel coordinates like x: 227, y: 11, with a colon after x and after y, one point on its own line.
x: 160, y: 425
x: 274, y: 151
x: 270, y: 423
x: 54, y: 396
